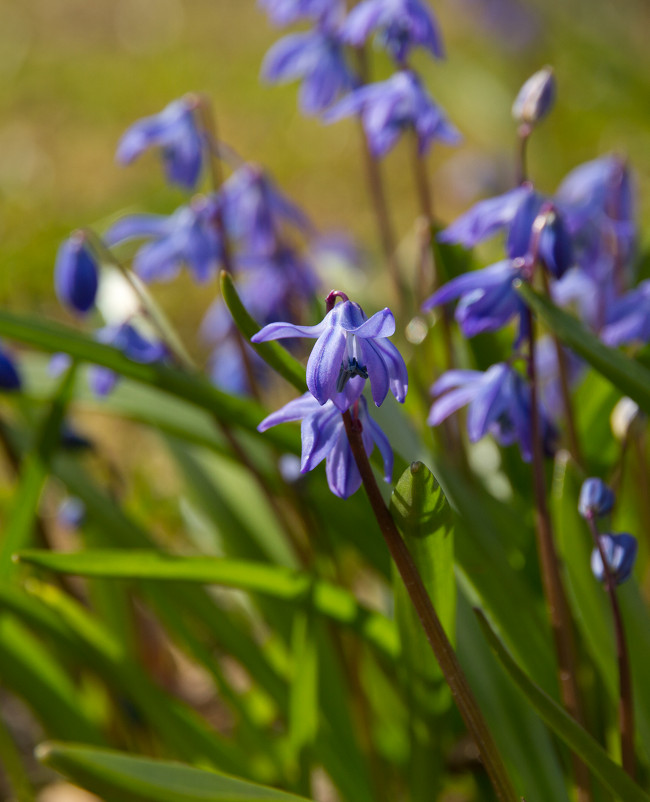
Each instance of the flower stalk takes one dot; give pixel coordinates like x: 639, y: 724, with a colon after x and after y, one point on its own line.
x: 442, y: 648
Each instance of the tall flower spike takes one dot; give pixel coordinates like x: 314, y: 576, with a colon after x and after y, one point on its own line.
x: 402, y: 25
x: 324, y: 437
x: 175, y: 131
x: 389, y: 108
x: 75, y: 274
x: 349, y: 344
x: 620, y: 554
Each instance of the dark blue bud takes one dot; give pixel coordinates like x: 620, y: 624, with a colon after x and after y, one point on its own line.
x: 75, y: 275
x: 620, y: 553
x: 596, y: 498
x: 536, y: 98
x: 9, y: 376
x: 555, y: 248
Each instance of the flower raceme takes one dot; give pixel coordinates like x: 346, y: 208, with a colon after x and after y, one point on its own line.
x: 324, y: 438
x: 349, y: 344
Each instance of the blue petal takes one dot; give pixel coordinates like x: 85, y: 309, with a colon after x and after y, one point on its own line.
x: 324, y: 363
x: 278, y: 331
x: 397, y: 372
x: 381, y: 324
x: 373, y: 360
x: 295, y: 410
x: 137, y: 226
x: 343, y: 476
x: 319, y: 432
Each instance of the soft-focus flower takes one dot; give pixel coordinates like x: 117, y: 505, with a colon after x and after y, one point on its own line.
x: 349, y: 344
x: 627, y: 419
x: 9, y: 375
x: 499, y: 404
x: 535, y: 98
x: 488, y: 300
x: 133, y: 344
x: 620, y: 554
x: 596, y: 498
x: 71, y: 512
x: 174, y: 130
x: 324, y: 437
x: 628, y: 317
x: 402, y: 25
x: 548, y: 374
x: 315, y: 58
x: 75, y: 274
x: 390, y: 107
x: 286, y: 12
x: 254, y: 210
x: 188, y: 236
x: 73, y: 440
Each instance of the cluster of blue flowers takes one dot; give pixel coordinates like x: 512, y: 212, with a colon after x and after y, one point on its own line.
x: 350, y: 349
x: 332, y: 86
x: 583, y: 240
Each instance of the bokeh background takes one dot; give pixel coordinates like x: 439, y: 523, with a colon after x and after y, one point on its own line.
x: 75, y: 73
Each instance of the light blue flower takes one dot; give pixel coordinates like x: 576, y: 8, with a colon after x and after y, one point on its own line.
x: 596, y: 498
x: 620, y: 553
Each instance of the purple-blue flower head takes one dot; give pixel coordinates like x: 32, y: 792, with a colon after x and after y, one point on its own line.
x: 175, y: 131
x: 76, y: 275
x: 9, y: 375
x: 324, y: 437
x: 596, y: 498
x: 188, y: 236
x: 628, y: 317
x: 286, y: 12
x: 349, y: 344
x: 548, y: 374
x: 390, y: 107
x: 499, y: 404
x: 316, y: 58
x: 620, y: 553
x: 254, y: 210
x: 488, y: 300
x: 535, y: 98
x: 133, y: 344
x: 402, y: 25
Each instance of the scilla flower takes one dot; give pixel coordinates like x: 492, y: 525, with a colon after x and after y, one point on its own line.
x: 9, y: 375
x: 349, y: 344
x: 596, y: 498
x: 389, y: 108
x: 324, y: 438
x: 176, y: 133
x: 285, y: 12
x: 75, y: 274
x: 620, y: 554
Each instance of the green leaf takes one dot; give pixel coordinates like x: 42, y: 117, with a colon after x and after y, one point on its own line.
x: 576, y: 737
x: 303, y: 692
x: 277, y: 581
x: 272, y: 353
x: 11, y: 761
x: 628, y: 376
x: 123, y: 778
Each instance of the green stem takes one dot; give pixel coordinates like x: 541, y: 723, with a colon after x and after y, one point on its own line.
x: 442, y: 648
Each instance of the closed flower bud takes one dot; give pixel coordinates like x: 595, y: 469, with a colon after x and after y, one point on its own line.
x: 620, y: 554
x: 596, y: 498
x: 555, y: 248
x: 75, y: 274
x: 535, y: 98
x: 9, y: 376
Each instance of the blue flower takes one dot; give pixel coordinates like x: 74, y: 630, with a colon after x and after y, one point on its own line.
x: 175, y: 131
x: 628, y: 317
x: 286, y: 12
x: 9, y: 375
x: 620, y: 554
x: 548, y: 374
x: 188, y: 236
x: 403, y: 25
x: 76, y: 275
x: 128, y: 340
x: 389, y: 108
x: 596, y: 498
x: 324, y: 437
x: 535, y: 98
x: 499, y: 404
x: 488, y: 300
x: 349, y: 344
x: 71, y: 513
x: 315, y: 58
x: 254, y: 210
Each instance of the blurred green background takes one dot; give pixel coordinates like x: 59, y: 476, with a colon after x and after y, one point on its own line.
x: 75, y: 73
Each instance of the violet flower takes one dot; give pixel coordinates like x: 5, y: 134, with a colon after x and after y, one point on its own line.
x: 133, y: 344
x: 402, y: 25
x: 488, y: 300
x: 628, y: 317
x: 324, y: 437
x: 620, y: 553
x: 10, y: 378
x: 349, y: 344
x: 254, y: 209
x: 316, y: 58
x: 499, y: 404
x: 188, y: 236
x: 76, y: 275
x: 596, y: 498
x: 175, y: 131
x: 390, y: 107
x: 536, y: 97
x: 286, y: 12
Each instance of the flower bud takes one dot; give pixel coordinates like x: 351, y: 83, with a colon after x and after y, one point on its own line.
x: 9, y: 376
x: 620, y: 553
x: 535, y: 98
x: 596, y: 498
x: 75, y: 274
x: 555, y: 248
